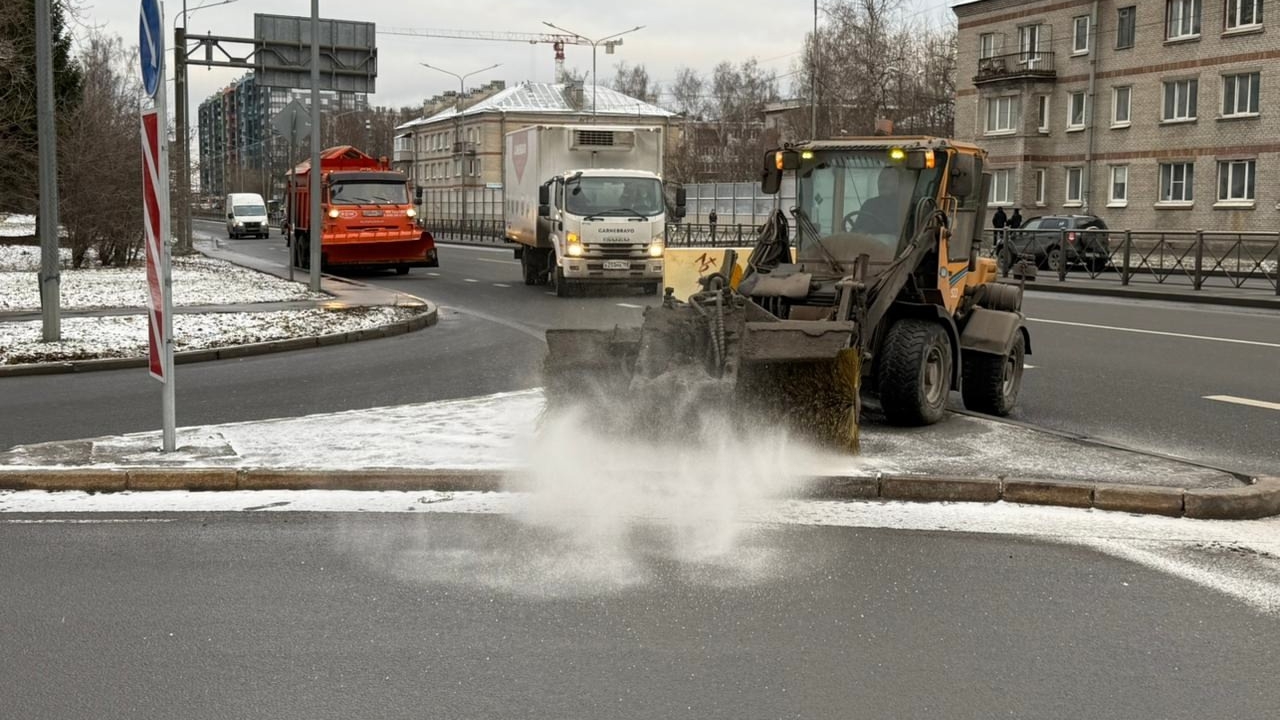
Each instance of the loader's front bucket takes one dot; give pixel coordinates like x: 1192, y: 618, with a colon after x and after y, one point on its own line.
x: 712, y: 358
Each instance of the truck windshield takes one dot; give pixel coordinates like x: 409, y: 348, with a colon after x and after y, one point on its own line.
x: 613, y: 196
x: 250, y: 210
x: 368, y: 193
x: 858, y: 202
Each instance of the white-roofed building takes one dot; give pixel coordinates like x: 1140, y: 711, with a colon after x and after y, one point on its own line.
x: 445, y: 149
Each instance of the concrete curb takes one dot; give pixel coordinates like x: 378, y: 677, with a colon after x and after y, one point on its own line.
x: 1054, y: 286
x: 1256, y: 500
x: 428, y: 317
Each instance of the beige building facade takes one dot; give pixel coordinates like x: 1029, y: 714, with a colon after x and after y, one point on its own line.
x: 1151, y: 114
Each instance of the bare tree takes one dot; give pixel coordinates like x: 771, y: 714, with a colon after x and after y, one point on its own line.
x: 872, y: 60
x: 687, y: 94
x: 100, y: 157
x: 633, y: 81
x: 18, y: 172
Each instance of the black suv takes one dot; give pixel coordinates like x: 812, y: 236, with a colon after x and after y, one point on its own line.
x: 1084, y: 236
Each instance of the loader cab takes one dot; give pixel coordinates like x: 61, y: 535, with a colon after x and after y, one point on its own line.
x: 853, y: 200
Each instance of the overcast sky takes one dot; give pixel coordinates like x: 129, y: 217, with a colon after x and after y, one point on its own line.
x: 694, y: 33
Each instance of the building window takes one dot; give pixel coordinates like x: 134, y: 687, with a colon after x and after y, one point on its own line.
x: 1121, y: 98
x: 1126, y: 25
x: 1080, y: 35
x: 1181, y: 19
x: 1243, y: 14
x: 1180, y: 100
x: 1040, y: 181
x: 457, y: 167
x: 999, y: 187
x: 1042, y: 113
x: 1002, y: 115
x: 1075, y: 111
x: 1075, y: 186
x: 1235, y: 181
x: 1177, y: 182
x: 1240, y: 94
x: 475, y: 167
x: 1029, y: 45
x: 1119, y: 186
x: 986, y: 45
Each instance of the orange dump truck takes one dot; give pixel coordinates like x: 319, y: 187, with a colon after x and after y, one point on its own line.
x: 368, y: 217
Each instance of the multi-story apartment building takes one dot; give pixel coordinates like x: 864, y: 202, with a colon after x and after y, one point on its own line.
x: 1160, y: 114
x: 239, y: 148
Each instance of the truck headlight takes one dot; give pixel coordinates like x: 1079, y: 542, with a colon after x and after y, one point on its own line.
x: 411, y: 212
x: 334, y: 213
x: 656, y: 247
x: 575, y: 250
x: 572, y: 238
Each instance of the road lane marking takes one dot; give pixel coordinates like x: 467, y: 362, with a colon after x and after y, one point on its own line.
x: 501, y: 285
x: 500, y: 262
x: 84, y: 521
x: 1244, y: 401
x: 629, y: 305
x: 1258, y: 343
x: 1026, y: 366
x: 470, y: 280
x: 434, y: 274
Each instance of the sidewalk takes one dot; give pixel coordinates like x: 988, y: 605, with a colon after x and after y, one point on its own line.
x: 1145, y: 289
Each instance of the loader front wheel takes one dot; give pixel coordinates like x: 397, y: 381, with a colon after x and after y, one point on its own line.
x: 915, y: 372
x: 991, y: 382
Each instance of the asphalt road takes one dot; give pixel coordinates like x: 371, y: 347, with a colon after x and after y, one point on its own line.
x: 1134, y: 373
x: 287, y: 615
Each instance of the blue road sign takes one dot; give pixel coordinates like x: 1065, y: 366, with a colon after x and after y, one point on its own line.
x: 151, y: 45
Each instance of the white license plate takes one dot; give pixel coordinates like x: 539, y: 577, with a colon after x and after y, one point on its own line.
x: 617, y: 264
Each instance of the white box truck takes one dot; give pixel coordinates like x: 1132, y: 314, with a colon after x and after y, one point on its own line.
x: 585, y: 204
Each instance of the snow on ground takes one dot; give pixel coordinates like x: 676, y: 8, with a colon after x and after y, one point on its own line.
x: 17, y: 225
x: 126, y: 335
x: 197, y: 280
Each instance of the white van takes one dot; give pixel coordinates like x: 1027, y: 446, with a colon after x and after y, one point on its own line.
x: 246, y: 215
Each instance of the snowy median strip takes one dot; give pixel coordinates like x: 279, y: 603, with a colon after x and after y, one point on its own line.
x: 125, y: 336
x: 197, y: 280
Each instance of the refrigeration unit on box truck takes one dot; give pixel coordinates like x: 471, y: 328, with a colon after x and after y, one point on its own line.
x: 585, y: 205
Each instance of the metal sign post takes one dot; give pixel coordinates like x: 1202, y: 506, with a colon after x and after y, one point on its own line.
x: 155, y: 183
x: 295, y: 122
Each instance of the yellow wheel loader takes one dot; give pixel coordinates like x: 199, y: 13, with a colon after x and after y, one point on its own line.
x: 871, y: 282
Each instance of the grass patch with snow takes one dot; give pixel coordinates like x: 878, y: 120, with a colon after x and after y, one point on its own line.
x: 126, y: 336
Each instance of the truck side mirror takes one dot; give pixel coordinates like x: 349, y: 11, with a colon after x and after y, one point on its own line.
x: 682, y: 198
x: 417, y: 195
x: 544, y: 195
x: 770, y: 181
x: 231, y: 216
x: 544, y: 210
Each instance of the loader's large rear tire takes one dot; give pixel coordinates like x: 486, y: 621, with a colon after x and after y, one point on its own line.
x: 991, y: 382
x: 914, y: 378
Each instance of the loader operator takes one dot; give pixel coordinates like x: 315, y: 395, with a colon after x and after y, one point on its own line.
x: 880, y: 215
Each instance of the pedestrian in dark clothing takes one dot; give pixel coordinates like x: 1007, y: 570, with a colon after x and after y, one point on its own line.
x: 999, y: 220
x: 1015, y: 221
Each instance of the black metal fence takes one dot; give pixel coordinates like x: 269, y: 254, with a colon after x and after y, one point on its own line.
x: 1201, y: 258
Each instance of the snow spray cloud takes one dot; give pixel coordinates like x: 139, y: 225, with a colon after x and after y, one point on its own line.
x: 601, y: 512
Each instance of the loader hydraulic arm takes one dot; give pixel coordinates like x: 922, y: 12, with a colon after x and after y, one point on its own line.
x: 890, y: 283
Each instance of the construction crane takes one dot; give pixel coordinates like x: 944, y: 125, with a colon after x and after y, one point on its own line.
x: 556, y: 40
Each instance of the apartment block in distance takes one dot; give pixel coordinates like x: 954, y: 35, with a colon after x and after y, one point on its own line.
x: 1152, y: 114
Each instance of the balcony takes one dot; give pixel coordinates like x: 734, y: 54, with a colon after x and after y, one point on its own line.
x: 1031, y: 65
x: 464, y: 148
